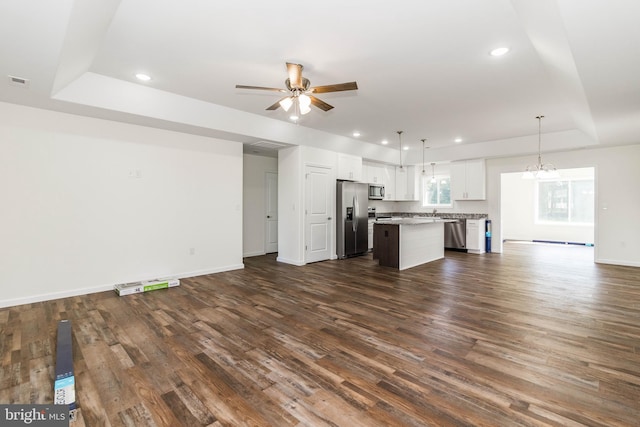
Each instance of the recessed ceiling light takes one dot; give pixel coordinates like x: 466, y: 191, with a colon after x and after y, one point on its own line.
x: 405, y: 148
x: 356, y: 133
x: 457, y: 140
x: 143, y: 77
x: 384, y: 142
x: 294, y: 117
x: 499, y: 51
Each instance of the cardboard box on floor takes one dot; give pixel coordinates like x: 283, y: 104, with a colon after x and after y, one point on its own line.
x: 145, y: 286
x: 64, y: 389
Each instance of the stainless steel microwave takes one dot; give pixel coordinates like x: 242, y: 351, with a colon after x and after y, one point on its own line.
x: 376, y: 192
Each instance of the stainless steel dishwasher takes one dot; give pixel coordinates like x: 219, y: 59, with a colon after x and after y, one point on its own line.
x: 455, y: 234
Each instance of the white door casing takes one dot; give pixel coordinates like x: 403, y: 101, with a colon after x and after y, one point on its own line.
x: 318, y: 215
x: 271, y: 212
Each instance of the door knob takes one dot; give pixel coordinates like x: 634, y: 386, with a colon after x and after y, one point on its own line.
x: 268, y: 216
x: 329, y: 218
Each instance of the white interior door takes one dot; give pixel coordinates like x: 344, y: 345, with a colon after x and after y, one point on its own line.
x: 271, y: 212
x: 318, y: 216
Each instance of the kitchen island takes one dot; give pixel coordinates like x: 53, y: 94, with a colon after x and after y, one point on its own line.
x: 408, y: 242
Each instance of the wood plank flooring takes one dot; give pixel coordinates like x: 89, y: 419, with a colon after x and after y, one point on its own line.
x: 537, y: 336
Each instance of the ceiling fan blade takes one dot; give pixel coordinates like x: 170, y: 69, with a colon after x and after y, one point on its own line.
x: 320, y: 103
x: 277, y: 104
x: 260, y: 88
x: 295, y: 75
x: 335, y: 88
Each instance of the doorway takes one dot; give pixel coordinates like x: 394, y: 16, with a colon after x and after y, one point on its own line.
x: 271, y: 212
x: 551, y: 211
x: 318, y: 216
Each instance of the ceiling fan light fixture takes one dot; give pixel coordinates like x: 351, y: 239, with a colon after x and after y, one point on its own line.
x: 298, y: 88
x: 286, y: 103
x: 305, y: 110
x: 304, y: 102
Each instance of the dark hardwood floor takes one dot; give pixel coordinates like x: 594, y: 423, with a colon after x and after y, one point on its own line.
x: 539, y: 335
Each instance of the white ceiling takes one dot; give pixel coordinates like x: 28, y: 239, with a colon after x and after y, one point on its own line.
x: 421, y: 67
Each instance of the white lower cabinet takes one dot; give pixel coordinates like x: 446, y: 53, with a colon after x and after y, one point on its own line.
x: 475, y: 236
x: 371, y: 222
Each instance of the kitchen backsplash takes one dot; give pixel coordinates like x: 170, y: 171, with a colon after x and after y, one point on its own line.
x: 477, y: 206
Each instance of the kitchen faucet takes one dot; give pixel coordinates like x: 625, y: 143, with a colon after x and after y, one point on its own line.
x: 434, y: 212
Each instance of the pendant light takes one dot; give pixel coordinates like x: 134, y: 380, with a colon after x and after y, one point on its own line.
x: 423, y: 148
x: 540, y: 170
x: 400, y: 139
x: 433, y: 173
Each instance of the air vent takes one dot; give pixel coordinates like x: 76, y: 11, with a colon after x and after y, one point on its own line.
x: 268, y: 144
x: 18, y: 81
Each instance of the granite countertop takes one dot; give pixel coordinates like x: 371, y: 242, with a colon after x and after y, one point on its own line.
x: 412, y: 221
x: 428, y: 215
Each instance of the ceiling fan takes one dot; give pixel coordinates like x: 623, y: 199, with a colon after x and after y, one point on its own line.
x: 300, y: 93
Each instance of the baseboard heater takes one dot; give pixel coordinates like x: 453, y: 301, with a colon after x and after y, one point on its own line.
x: 562, y: 243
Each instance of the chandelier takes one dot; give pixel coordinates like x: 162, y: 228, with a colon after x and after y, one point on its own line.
x: 540, y: 170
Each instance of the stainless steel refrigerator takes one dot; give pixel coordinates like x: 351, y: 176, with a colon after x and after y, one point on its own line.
x: 352, y: 228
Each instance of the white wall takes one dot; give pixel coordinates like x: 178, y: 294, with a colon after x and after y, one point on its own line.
x: 254, y: 199
x: 617, y: 230
x: 290, y: 225
x: 518, y: 211
x: 90, y: 203
x: 291, y: 196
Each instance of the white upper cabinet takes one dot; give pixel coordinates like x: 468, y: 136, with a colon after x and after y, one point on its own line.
x: 407, y: 186
x: 349, y: 167
x: 468, y: 180
x: 373, y: 173
x: 389, y: 180
x: 398, y: 184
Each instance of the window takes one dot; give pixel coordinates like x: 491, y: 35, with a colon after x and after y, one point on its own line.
x: 566, y: 201
x: 436, y: 191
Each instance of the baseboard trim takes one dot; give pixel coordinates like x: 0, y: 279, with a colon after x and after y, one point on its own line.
x: 618, y: 262
x: 291, y: 261
x: 250, y: 254
x: 102, y: 288
x: 55, y: 295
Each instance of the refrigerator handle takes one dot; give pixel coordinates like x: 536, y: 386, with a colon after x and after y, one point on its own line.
x: 354, y: 223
